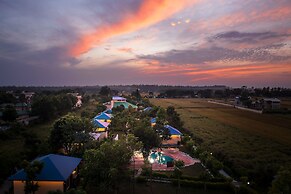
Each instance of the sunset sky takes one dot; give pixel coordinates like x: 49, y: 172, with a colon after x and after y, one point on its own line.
x: 175, y: 42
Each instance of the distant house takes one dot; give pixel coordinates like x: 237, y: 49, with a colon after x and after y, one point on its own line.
x: 101, y: 126
x: 237, y: 101
x: 153, y: 121
x: 173, y: 131
x: 175, y: 136
x: 21, y: 108
x: 98, y: 136
x: 58, y: 173
x: 147, y: 109
x: 104, y: 117
x: 271, y: 103
x: 108, y: 111
x: 79, y: 98
x: 120, y: 101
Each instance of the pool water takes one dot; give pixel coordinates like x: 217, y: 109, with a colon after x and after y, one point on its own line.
x: 161, y: 158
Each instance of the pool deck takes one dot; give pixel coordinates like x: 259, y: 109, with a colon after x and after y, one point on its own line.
x: 174, y: 153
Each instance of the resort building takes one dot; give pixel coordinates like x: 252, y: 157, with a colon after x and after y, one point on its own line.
x: 104, y: 117
x: 153, y: 121
x: 175, y: 136
x: 271, y: 103
x: 120, y: 101
x: 98, y: 136
x: 101, y: 126
x: 58, y: 173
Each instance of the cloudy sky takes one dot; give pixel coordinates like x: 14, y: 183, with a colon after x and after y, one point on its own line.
x: 179, y: 42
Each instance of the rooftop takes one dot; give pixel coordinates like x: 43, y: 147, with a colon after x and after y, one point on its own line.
x: 56, y: 168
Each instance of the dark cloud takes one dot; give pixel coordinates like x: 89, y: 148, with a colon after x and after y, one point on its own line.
x: 204, y: 55
x: 17, y: 73
x: 24, y: 54
x: 247, y: 37
x: 109, y: 11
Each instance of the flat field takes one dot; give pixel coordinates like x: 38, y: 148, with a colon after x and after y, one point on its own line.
x: 249, y: 143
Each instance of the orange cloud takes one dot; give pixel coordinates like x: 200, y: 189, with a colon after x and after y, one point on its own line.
x: 240, y: 18
x: 126, y: 50
x: 149, y: 13
x: 198, y: 73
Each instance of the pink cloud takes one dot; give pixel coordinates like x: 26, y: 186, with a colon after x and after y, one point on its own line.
x: 149, y: 13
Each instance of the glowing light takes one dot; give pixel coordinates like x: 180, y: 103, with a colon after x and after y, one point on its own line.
x: 151, y: 160
x: 173, y: 24
x: 179, y: 22
x: 187, y: 21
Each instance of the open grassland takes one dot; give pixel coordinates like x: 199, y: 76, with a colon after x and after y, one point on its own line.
x: 286, y: 103
x: 249, y: 143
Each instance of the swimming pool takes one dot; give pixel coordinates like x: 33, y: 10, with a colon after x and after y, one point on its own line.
x: 160, y: 158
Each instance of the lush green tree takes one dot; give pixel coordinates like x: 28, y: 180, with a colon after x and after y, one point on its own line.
x: 31, y: 170
x: 146, y: 135
x: 173, y: 118
x: 105, y: 91
x: 118, y: 122
x: 136, y: 94
x: 9, y: 113
x: 86, y: 98
x: 44, y: 107
x: 106, y: 167
x: 100, y: 108
x: 7, y: 97
x: 68, y: 131
x: 179, y: 164
x: 64, y: 102
x: 205, y: 177
x: 161, y: 116
x: 282, y: 182
x: 118, y: 109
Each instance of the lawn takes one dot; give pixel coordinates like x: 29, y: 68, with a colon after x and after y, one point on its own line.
x: 247, y: 142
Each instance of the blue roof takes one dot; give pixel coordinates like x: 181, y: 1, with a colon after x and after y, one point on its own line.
x: 153, y: 120
x: 56, y: 168
x: 100, y: 124
x: 172, y: 130
x: 103, y: 115
x: 147, y: 109
x: 108, y: 111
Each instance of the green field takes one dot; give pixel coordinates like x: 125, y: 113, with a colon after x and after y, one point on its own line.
x: 249, y: 143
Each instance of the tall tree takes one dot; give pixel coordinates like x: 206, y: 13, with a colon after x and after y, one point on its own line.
x: 9, y: 113
x: 44, y: 107
x: 146, y: 135
x: 69, y: 130
x: 106, y: 167
x: 174, y: 118
x: 282, y: 182
x: 31, y: 170
x: 105, y: 91
x: 179, y: 164
x: 136, y: 94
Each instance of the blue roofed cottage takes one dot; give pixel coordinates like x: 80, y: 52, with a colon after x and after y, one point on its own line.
x: 58, y: 173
